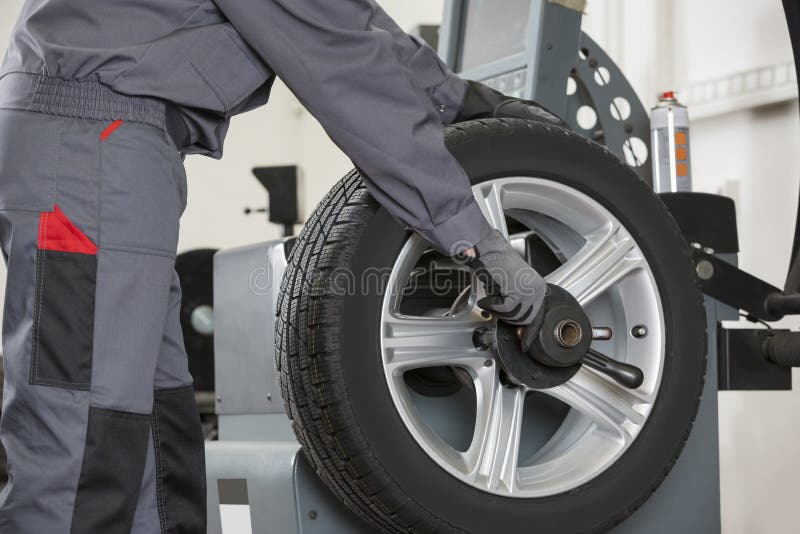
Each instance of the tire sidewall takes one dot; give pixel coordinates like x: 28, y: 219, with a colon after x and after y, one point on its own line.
x: 550, y: 153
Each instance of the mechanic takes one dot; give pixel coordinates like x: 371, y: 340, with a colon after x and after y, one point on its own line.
x: 99, y: 102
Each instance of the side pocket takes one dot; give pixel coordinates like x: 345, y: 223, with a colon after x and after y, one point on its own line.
x: 63, y: 316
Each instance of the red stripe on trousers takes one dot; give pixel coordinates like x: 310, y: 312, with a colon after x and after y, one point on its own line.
x: 110, y: 130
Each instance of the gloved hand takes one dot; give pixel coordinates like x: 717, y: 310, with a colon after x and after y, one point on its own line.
x: 483, y: 102
x: 515, y: 291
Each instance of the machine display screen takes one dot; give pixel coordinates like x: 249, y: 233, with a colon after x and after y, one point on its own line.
x: 492, y: 30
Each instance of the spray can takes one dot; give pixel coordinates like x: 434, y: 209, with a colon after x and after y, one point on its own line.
x: 669, y: 124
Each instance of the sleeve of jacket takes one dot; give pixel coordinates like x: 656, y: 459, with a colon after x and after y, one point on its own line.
x: 346, y: 71
x: 443, y: 87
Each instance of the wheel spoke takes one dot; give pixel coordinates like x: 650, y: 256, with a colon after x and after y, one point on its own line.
x: 492, y: 458
x: 414, y: 248
x: 416, y: 342
x: 491, y: 204
x: 614, y: 409
x: 608, y: 256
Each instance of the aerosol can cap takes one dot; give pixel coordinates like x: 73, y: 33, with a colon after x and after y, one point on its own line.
x: 668, y: 98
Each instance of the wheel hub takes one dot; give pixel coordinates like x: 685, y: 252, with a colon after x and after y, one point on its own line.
x: 556, y: 354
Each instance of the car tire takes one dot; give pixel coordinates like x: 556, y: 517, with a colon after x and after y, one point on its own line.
x: 333, y: 382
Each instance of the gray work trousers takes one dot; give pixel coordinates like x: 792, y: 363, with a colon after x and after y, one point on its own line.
x: 99, y: 419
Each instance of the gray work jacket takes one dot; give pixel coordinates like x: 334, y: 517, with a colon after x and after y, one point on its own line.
x: 182, y: 51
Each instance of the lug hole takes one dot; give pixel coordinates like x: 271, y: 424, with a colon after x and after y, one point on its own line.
x: 483, y: 339
x: 639, y: 331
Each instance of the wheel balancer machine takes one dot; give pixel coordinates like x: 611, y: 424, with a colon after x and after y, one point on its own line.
x: 257, y: 478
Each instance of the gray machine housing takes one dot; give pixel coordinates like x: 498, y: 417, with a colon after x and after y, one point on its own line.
x: 257, y: 451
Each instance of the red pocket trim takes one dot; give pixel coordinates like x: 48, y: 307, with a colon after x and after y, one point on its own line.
x: 58, y: 233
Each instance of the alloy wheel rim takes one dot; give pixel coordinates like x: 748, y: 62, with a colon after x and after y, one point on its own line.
x: 509, y: 452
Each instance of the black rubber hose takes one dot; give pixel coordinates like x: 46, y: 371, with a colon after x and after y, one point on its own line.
x: 783, y: 348
x: 783, y: 305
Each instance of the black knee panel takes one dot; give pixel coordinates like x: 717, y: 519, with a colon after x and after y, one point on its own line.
x: 111, y: 475
x: 180, y: 462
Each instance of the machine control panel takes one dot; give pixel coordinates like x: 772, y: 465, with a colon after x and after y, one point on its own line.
x: 513, y: 83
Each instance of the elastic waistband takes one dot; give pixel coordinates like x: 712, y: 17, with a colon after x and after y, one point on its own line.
x: 87, y: 99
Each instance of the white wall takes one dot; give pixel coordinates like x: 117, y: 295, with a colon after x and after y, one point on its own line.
x: 660, y: 45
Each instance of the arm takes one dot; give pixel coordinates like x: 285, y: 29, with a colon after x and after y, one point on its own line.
x: 350, y: 74
x: 444, y: 89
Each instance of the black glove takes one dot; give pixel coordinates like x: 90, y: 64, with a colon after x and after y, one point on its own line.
x: 515, y: 291
x: 483, y: 102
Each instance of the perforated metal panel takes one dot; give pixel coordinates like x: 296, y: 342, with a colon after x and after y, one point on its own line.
x: 602, y: 105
